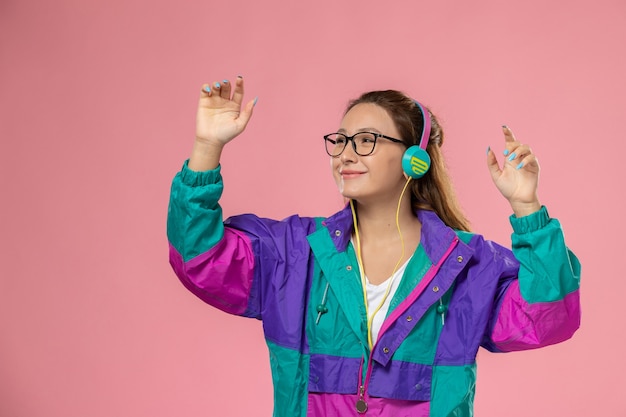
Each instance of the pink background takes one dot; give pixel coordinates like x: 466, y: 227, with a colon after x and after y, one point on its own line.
x: 97, y: 107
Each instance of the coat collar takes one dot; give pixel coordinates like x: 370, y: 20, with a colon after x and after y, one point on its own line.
x: 435, y: 238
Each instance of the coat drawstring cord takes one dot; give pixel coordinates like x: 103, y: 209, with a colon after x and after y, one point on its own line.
x: 321, y: 308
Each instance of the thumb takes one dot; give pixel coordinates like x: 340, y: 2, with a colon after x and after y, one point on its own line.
x: 492, y: 164
x: 246, y: 112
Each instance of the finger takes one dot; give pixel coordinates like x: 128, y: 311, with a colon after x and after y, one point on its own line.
x: 216, y: 88
x: 509, y: 140
x: 225, y: 89
x: 206, y: 91
x: 529, y: 162
x: 492, y: 164
x: 518, y: 153
x: 520, y: 156
x: 238, y: 93
x: 508, y: 134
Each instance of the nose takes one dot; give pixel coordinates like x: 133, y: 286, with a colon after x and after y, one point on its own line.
x: 349, y: 153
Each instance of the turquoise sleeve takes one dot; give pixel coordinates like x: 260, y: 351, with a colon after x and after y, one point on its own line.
x: 548, y: 269
x: 194, y: 222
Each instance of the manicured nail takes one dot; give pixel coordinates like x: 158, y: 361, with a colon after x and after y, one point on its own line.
x: 488, y: 149
x: 240, y: 76
x: 225, y: 81
x: 505, y: 127
x: 255, y: 100
x: 207, y: 88
x: 217, y: 85
x: 506, y: 152
x: 512, y: 157
x: 521, y: 164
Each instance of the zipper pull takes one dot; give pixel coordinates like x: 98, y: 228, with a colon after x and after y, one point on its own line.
x: 361, y: 405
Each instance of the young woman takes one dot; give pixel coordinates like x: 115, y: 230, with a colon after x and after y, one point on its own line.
x: 379, y: 309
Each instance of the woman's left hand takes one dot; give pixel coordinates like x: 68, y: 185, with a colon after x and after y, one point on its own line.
x: 518, y: 178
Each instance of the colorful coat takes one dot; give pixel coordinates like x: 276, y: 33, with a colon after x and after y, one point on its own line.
x: 300, y: 277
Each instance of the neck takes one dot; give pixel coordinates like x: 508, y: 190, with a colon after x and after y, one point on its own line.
x: 379, y: 219
x: 386, y: 236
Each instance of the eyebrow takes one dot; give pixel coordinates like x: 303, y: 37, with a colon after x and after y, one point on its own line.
x: 363, y: 129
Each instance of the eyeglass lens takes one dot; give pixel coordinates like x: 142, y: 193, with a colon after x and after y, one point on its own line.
x: 364, y: 142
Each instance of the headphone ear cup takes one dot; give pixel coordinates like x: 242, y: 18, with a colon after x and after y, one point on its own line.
x: 415, y: 162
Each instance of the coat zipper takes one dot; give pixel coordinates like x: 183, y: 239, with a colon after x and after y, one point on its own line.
x: 361, y: 403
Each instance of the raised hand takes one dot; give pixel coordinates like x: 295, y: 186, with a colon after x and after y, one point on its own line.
x: 518, y: 178
x: 219, y: 119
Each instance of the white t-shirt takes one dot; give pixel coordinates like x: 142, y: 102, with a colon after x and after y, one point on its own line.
x: 375, y: 294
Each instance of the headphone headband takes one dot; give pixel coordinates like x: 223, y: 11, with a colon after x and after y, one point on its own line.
x: 426, y: 130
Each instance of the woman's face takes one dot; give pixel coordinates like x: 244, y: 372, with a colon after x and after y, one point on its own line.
x: 375, y: 176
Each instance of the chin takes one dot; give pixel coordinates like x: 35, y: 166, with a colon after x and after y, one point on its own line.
x: 346, y: 191
x: 352, y: 195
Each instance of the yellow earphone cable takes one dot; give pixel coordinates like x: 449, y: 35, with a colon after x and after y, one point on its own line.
x: 362, y: 271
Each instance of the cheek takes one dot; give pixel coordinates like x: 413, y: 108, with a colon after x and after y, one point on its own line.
x: 392, y: 169
x: 334, y: 166
x: 334, y: 169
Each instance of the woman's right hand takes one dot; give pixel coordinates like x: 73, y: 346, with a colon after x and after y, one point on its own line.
x: 220, y: 118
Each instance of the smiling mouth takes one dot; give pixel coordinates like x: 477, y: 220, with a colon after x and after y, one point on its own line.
x: 350, y: 174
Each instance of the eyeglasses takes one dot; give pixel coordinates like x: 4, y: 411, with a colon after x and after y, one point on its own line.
x: 363, y: 143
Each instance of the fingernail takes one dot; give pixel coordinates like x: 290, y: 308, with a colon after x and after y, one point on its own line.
x: 512, y: 157
x: 488, y: 149
x: 207, y: 88
x: 505, y: 127
x: 521, y: 164
x: 506, y: 152
x: 217, y: 85
x: 225, y: 81
x: 255, y: 100
x: 240, y: 76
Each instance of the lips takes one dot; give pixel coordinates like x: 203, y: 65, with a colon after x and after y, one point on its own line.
x: 348, y: 174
